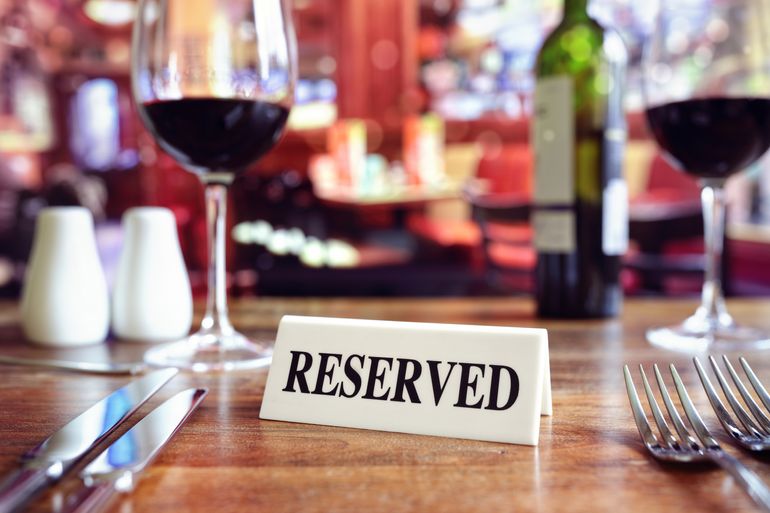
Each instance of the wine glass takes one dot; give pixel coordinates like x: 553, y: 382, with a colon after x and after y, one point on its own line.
x: 214, y: 82
x: 707, y: 93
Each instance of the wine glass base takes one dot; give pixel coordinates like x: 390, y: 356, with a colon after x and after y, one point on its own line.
x: 211, y: 352
x: 722, y: 339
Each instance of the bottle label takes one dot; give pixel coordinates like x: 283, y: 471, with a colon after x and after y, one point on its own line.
x: 554, y: 231
x: 615, y: 195
x: 554, y: 142
x: 615, y: 217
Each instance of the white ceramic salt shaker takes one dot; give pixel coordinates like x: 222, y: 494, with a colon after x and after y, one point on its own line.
x: 151, y: 300
x: 65, y: 301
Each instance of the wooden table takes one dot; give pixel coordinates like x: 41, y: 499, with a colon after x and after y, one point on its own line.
x: 225, y: 459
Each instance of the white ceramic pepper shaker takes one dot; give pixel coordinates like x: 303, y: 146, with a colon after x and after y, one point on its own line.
x: 65, y: 301
x: 151, y: 300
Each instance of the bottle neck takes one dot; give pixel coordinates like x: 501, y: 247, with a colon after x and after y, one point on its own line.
x: 575, y: 9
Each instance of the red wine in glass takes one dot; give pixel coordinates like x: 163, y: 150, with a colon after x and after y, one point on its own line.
x: 214, y: 82
x: 708, y: 106
x: 211, y: 134
x: 712, y: 137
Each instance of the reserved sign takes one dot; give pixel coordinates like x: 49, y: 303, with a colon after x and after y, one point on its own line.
x: 477, y: 382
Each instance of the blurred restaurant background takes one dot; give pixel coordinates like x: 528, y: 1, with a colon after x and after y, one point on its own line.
x: 406, y: 169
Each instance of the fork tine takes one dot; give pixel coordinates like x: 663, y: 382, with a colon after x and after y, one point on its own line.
x: 758, y: 387
x: 692, y: 414
x: 684, y: 434
x: 759, y: 415
x: 716, y: 403
x: 660, y: 420
x: 639, y: 417
x: 749, y: 424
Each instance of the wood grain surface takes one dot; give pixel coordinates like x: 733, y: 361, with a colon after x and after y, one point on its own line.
x: 225, y: 459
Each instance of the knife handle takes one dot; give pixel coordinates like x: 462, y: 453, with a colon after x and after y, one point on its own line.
x: 90, y: 499
x: 20, y: 487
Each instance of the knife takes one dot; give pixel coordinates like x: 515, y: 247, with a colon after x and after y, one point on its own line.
x: 47, y: 463
x: 117, y: 468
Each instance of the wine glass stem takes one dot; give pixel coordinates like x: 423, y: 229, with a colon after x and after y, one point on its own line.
x: 712, y: 298
x: 216, y: 319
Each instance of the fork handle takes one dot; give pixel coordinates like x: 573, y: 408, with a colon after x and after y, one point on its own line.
x: 751, y: 482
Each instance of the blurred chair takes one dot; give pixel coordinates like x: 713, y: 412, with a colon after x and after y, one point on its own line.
x: 500, y: 196
x: 666, y: 228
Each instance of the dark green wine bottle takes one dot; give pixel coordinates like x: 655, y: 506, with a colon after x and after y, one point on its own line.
x: 580, y: 211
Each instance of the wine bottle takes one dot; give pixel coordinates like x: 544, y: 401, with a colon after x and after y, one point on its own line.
x: 580, y: 214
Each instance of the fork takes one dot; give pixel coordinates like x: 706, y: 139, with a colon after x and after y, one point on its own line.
x: 686, y: 449
x: 756, y: 433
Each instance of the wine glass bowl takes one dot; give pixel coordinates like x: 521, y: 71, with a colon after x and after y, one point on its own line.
x: 215, y: 134
x: 214, y: 82
x: 707, y: 95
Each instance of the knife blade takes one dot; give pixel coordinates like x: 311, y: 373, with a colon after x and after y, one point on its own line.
x: 117, y: 468
x: 47, y: 463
